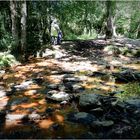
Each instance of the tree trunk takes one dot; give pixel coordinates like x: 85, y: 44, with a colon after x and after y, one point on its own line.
x: 14, y: 15
x: 110, y: 29
x: 23, y: 26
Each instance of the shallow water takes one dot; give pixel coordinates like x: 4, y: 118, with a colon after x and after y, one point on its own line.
x: 51, y: 124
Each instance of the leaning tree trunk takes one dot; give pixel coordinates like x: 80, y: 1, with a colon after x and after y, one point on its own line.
x: 110, y: 28
x: 23, y: 26
x: 14, y: 16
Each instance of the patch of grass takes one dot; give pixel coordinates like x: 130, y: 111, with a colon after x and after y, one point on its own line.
x: 131, y: 90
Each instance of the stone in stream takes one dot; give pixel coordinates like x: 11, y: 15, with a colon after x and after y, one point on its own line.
x: 2, y: 93
x: 57, y: 96
x: 133, y: 102
x: 125, y: 131
x: 53, y: 86
x: 101, y: 124
x: 90, y: 100
x: 97, y: 111
x: 22, y: 86
x: 72, y: 79
x: 14, y: 117
x: 38, y: 81
x: 19, y: 101
x: 34, y: 116
x: 81, y: 117
x: 87, y: 135
x: 73, y: 87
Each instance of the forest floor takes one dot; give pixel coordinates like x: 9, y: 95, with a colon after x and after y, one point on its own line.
x: 54, y: 96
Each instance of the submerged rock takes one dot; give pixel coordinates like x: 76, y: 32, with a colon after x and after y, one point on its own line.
x: 81, y: 117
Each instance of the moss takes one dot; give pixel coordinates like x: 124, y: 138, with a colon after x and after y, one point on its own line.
x: 131, y: 90
x: 110, y: 49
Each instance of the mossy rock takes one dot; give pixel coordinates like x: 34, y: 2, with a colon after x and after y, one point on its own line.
x: 124, y: 50
x: 137, y: 54
x: 112, y: 49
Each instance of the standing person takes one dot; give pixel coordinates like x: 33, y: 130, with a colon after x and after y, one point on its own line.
x: 59, y: 37
x: 54, y: 32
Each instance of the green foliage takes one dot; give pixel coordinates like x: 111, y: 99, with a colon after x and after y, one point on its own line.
x: 6, y: 59
x: 130, y: 90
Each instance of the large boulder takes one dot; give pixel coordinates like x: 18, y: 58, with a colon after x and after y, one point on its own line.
x: 90, y: 100
x: 81, y: 117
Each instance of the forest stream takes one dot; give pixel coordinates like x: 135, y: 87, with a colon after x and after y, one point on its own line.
x: 71, y: 94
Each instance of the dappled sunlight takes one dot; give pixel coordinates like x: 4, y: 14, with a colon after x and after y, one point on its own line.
x: 42, y: 101
x: 30, y: 92
x: 88, y: 75
x: 45, y: 124
x: 3, y: 102
x: 24, y: 106
x: 58, y: 118
x: 133, y: 66
x: 54, y: 79
x: 33, y: 87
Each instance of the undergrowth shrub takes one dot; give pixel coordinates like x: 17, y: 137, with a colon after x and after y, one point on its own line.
x: 7, y: 60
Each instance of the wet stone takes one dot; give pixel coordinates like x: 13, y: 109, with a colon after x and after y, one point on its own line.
x: 81, y: 117
x: 90, y: 100
x: 58, y: 96
x: 50, y: 110
x: 72, y: 79
x: 2, y: 93
x: 22, y: 86
x: 88, y: 135
x: 53, y: 86
x: 38, y: 81
x: 19, y: 101
x: 121, y: 132
x: 34, y: 116
x: 13, y: 117
x: 102, y: 123
x: 133, y: 102
x: 97, y: 111
x: 77, y: 88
